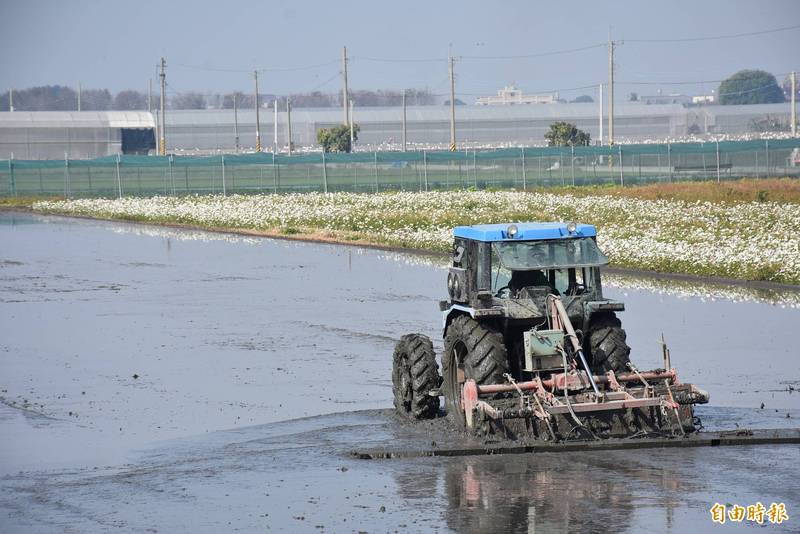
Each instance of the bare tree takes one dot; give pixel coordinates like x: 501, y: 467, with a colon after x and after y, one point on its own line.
x: 190, y: 100
x: 242, y: 100
x: 130, y: 100
x: 95, y: 99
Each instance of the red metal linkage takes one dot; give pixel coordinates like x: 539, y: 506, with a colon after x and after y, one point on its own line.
x: 575, y: 381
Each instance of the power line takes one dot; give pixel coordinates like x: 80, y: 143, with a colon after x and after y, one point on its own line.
x: 490, y: 58
x: 519, y: 56
x: 713, y: 37
x: 323, y: 84
x: 540, y: 54
x: 746, y: 91
x: 399, y: 60
x: 250, y: 71
x: 686, y: 82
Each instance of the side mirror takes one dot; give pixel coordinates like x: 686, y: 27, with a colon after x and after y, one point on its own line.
x: 457, y: 286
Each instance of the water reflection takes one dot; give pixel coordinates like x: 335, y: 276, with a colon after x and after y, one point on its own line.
x: 684, y: 289
x: 586, y: 493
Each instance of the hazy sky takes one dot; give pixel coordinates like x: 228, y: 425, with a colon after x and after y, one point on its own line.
x: 116, y: 45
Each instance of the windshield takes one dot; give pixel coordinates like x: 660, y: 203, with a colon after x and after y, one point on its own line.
x: 533, y: 255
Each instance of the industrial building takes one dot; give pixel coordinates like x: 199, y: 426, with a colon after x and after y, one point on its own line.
x: 510, y: 95
x: 88, y: 134
x: 206, y: 131
x: 75, y: 134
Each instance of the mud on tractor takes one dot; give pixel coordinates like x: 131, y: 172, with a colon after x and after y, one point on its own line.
x: 532, y: 349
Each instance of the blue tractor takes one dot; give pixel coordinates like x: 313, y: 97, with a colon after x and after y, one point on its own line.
x: 531, y: 345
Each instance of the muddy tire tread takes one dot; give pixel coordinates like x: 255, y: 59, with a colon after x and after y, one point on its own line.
x: 414, y: 354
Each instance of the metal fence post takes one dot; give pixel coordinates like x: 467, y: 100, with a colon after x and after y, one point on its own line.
x: 66, y: 175
x: 572, y: 163
x: 11, y: 175
x: 224, y: 188
x: 766, y: 145
x: 524, y: 178
x: 275, y: 175
x: 621, y: 167
x: 757, y: 176
x: 703, y: 155
x: 425, y: 168
x: 324, y: 172
x: 669, y: 160
x: 718, y: 177
x: 171, y: 175
x: 475, y: 167
x: 119, y: 179
x: 541, y: 181
x: 376, y: 172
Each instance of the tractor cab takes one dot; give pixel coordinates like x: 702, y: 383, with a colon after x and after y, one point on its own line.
x: 508, y: 270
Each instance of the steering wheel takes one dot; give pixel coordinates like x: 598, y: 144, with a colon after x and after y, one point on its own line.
x: 577, y: 289
x: 497, y: 293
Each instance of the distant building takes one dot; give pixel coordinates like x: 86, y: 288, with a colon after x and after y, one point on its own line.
x: 674, y: 98
x: 75, y: 134
x: 704, y: 99
x: 87, y: 134
x: 510, y: 95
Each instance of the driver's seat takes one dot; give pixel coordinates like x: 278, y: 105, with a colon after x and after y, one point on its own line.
x: 523, y: 279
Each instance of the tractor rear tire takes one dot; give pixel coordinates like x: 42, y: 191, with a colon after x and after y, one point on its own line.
x: 608, y: 345
x: 479, y: 353
x: 414, y: 374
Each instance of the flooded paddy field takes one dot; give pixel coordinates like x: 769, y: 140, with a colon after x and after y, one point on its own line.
x: 165, y: 380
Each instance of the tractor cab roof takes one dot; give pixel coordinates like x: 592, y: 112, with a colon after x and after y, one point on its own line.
x: 528, y: 231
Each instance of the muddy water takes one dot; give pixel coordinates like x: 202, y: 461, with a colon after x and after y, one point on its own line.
x: 176, y: 380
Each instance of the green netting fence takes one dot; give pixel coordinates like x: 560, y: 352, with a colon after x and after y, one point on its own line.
x: 521, y: 168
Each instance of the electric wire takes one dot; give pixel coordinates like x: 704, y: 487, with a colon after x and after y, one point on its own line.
x: 713, y: 37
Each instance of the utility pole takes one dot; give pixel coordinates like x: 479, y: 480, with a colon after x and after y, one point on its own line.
x: 79, y: 96
x: 452, y: 105
x: 404, y: 120
x: 258, y: 121
x: 162, y: 147
x: 275, y: 129
x: 289, y: 122
x: 235, y: 123
x: 10, y: 100
x: 600, y: 100
x: 794, y: 104
x: 611, y: 45
x: 150, y: 95
x: 345, y: 91
x: 352, y: 136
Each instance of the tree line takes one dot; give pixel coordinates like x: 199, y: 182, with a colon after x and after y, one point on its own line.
x: 744, y: 87
x: 63, y: 98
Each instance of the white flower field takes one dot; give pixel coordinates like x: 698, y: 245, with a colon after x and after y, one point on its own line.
x: 747, y: 240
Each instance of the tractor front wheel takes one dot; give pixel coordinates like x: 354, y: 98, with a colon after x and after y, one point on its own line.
x: 471, y: 350
x: 414, y: 374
